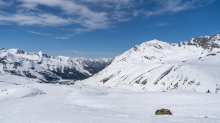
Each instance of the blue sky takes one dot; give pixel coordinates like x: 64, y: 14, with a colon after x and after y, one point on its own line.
x: 102, y: 28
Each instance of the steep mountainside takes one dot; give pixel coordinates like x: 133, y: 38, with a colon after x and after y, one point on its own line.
x: 160, y: 66
x: 44, y: 67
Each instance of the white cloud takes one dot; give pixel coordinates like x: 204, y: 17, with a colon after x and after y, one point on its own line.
x: 88, y: 15
x: 38, y: 33
x: 117, y: 4
x: 163, y: 24
x: 70, y: 35
x: 172, y: 6
x: 4, y: 3
x: 77, y: 52
x: 71, y: 13
x: 77, y: 14
x: 160, y: 24
x: 35, y: 19
x: 63, y: 38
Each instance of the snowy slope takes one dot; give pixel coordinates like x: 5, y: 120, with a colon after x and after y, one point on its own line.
x: 160, y: 66
x: 44, y: 67
x: 50, y: 103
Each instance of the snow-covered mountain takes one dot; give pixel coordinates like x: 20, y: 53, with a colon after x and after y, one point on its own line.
x: 161, y: 66
x: 92, y: 65
x: 13, y: 62
x: 47, y: 68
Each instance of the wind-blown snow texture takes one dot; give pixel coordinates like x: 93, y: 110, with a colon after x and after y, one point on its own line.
x: 47, y: 68
x: 161, y: 66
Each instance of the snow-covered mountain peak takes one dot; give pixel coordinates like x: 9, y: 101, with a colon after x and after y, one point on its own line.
x: 153, y: 41
x: 147, y: 51
x: 154, y: 45
x: 40, y: 53
x: 12, y: 51
x: 156, y: 50
x: 160, y: 66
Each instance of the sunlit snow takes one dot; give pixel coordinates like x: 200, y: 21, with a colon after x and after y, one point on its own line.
x: 50, y: 103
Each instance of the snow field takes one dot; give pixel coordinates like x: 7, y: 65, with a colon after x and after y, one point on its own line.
x: 46, y: 103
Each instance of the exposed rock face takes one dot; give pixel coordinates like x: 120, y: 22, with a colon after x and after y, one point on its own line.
x: 204, y: 42
x: 163, y: 112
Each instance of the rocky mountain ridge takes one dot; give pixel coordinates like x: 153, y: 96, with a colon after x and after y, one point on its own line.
x: 48, y: 68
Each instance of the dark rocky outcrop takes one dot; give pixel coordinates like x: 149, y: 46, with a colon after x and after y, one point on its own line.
x: 163, y: 112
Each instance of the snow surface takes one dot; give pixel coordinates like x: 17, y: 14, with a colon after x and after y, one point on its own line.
x: 33, y: 102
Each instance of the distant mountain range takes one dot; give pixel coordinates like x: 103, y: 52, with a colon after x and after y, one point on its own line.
x: 161, y: 66
x: 47, y: 68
